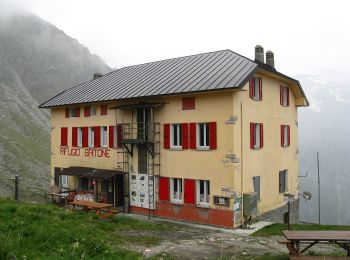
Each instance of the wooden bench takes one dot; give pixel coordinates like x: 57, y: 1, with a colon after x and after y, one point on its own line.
x: 108, y: 213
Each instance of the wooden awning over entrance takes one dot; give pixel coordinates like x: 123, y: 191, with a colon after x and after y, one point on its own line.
x: 88, y: 172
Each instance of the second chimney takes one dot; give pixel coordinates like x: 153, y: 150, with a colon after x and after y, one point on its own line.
x: 270, y: 59
x: 97, y: 75
x: 259, y: 53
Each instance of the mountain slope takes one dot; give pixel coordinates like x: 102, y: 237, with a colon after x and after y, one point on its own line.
x: 37, y: 61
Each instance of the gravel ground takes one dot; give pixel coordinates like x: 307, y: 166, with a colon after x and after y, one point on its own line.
x: 192, y: 241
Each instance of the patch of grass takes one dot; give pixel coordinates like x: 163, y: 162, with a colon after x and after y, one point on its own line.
x: 267, y: 257
x: 276, y: 229
x: 40, y: 231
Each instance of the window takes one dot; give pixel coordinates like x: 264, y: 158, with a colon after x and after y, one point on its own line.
x: 104, y: 136
x: 93, y: 111
x: 285, y: 135
x: 283, y: 181
x: 142, y: 159
x: 103, y: 110
x: 91, y: 137
x: 64, y: 181
x: 80, y: 136
x: 256, y: 184
x: 203, y: 193
x: 176, y: 136
x: 255, y: 88
x: 203, y: 135
x: 188, y: 103
x: 176, y: 188
x: 256, y: 135
x: 284, y: 96
x: 74, y: 112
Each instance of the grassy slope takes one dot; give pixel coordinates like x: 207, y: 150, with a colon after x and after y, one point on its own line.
x: 276, y: 229
x: 48, y: 232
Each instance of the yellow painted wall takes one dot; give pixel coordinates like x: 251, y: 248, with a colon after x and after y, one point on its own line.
x: 209, y: 165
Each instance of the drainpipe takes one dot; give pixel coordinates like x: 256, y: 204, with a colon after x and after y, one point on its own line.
x: 242, y: 221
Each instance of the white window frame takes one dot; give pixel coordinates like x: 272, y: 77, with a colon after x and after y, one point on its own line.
x: 256, y: 90
x: 205, y: 201
x: 284, y: 96
x: 80, y: 137
x: 64, y: 181
x: 206, y: 146
x: 93, y: 111
x: 179, y: 136
x: 104, y: 136
x: 176, y: 198
x: 257, y: 141
x: 91, y: 138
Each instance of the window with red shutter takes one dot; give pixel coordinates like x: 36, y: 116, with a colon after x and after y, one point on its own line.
x: 288, y: 135
x: 103, y: 110
x: 75, y: 136
x: 85, y: 134
x: 97, y: 137
x: 166, y: 136
x: 261, y: 135
x: 64, y: 136
x: 111, y: 131
x: 260, y: 88
x: 285, y: 135
x: 193, y: 140
x: 252, y: 135
x: 77, y: 112
x: 119, y: 136
x: 256, y: 136
x: 251, y: 88
x: 87, y: 111
x: 184, y: 135
x: 282, y: 135
x: 284, y: 96
x: 164, y: 188
x: 212, y: 137
x: 255, y: 88
x: 190, y: 191
x: 188, y: 103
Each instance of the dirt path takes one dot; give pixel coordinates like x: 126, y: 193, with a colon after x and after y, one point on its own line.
x: 186, y: 241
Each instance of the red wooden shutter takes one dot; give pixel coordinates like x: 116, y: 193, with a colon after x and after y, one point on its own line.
x: 166, y: 136
x: 261, y: 135
x: 97, y: 136
x: 190, y: 191
x: 252, y: 135
x: 64, y: 136
x: 260, y: 88
x: 282, y: 135
x: 281, y: 95
x: 85, y: 136
x: 184, y: 129
x: 86, y: 111
x: 66, y: 112
x: 119, y: 135
x: 212, y: 136
x: 193, y: 140
x: 287, y: 89
x: 77, y: 112
x: 75, y: 136
x: 288, y: 133
x: 111, y: 136
x: 251, y: 88
x: 103, y: 110
x: 164, y: 188
x: 188, y: 103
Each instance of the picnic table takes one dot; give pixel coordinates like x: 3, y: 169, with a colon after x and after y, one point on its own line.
x: 294, y: 239
x: 98, y: 207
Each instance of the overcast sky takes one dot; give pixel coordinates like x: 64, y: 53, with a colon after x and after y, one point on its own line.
x: 306, y: 36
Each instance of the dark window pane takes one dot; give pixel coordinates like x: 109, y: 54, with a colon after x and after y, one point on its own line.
x: 201, y: 187
x: 180, y: 130
x: 175, y: 185
x: 207, y: 134
x: 142, y: 159
x: 201, y: 134
x: 175, y: 135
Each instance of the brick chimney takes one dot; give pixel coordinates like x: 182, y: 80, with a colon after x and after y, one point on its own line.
x: 270, y: 59
x: 259, y: 53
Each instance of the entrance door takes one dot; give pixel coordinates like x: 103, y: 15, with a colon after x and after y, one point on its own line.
x: 119, y: 191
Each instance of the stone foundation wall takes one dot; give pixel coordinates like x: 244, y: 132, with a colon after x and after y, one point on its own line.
x: 276, y: 215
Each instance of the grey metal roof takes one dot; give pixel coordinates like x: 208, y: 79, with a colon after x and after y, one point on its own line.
x: 202, y: 72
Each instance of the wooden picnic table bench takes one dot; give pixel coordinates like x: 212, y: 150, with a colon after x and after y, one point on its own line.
x: 294, y: 239
x: 106, y: 208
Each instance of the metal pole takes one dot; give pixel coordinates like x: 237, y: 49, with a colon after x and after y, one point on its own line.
x: 319, y: 193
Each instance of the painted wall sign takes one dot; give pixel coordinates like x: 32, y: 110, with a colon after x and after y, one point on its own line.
x: 87, y: 152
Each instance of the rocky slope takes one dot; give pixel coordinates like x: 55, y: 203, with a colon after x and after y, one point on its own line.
x: 37, y: 61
